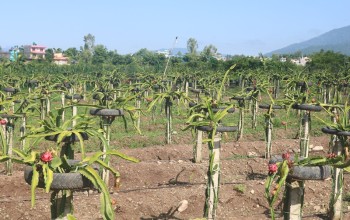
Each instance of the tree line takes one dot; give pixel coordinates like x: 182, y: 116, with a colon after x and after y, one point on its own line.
x: 97, y: 56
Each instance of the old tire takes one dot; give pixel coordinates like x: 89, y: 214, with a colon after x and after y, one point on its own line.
x: 75, y: 96
x: 9, y: 116
x: 70, y: 181
x: 218, y: 129
x: 310, y: 172
x: 305, y: 172
x: 155, y: 87
x: 106, y: 112
x: 240, y: 98
x: 304, y: 84
x: 333, y: 131
x: 343, y: 133
x: 136, y: 90
x: 328, y: 130
x: 67, y: 85
x: 267, y: 106
x: 230, y: 110
x: 32, y: 83
x: 195, y: 90
x: 314, y: 108
x: 191, y: 104
x: 9, y: 89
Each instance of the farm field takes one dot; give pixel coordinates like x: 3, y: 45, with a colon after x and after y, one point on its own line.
x: 166, y: 175
x: 174, y: 110
x: 112, y: 146
x: 153, y: 188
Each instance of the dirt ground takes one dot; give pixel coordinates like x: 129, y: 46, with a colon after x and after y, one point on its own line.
x: 153, y: 188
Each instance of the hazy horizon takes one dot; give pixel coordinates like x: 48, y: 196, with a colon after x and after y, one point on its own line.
x: 234, y: 27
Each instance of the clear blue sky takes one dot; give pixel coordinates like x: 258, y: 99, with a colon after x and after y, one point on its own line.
x: 234, y: 26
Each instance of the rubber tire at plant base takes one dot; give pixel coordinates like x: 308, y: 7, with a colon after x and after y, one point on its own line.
x: 343, y: 133
x: 32, y: 81
x: 241, y: 98
x: 218, y: 129
x: 333, y: 131
x: 266, y: 106
x: 61, y: 181
x: 9, y: 89
x: 195, y: 90
x: 136, y: 90
x: 310, y: 172
x: 315, y: 108
x: 328, y: 130
x: 304, y: 83
x: 75, y: 96
x: 68, y: 139
x: 230, y: 110
x: 305, y: 172
x: 9, y: 116
x: 67, y: 85
x: 106, y: 112
x: 191, y: 104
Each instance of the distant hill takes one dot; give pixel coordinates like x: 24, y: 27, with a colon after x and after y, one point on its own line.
x: 337, y: 40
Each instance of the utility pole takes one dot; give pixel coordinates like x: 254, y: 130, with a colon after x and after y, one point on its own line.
x: 166, y: 66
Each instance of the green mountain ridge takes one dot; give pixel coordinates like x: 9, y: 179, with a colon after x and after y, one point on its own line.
x: 337, y: 40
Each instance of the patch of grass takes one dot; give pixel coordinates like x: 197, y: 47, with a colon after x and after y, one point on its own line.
x: 240, y: 188
x: 347, y: 197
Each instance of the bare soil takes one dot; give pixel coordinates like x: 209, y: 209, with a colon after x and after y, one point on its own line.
x: 166, y: 175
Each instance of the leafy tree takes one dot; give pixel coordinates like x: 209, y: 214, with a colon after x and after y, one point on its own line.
x: 213, y: 63
x: 88, y: 48
x: 85, y: 56
x: 327, y: 60
x: 49, y: 54
x: 149, y: 59
x: 276, y: 57
x: 209, y: 51
x: 244, y: 62
x: 192, y: 61
x: 89, y: 43
x: 100, y: 54
x: 192, y: 46
x: 72, y: 53
x: 132, y: 68
x: 176, y: 60
x: 118, y: 59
